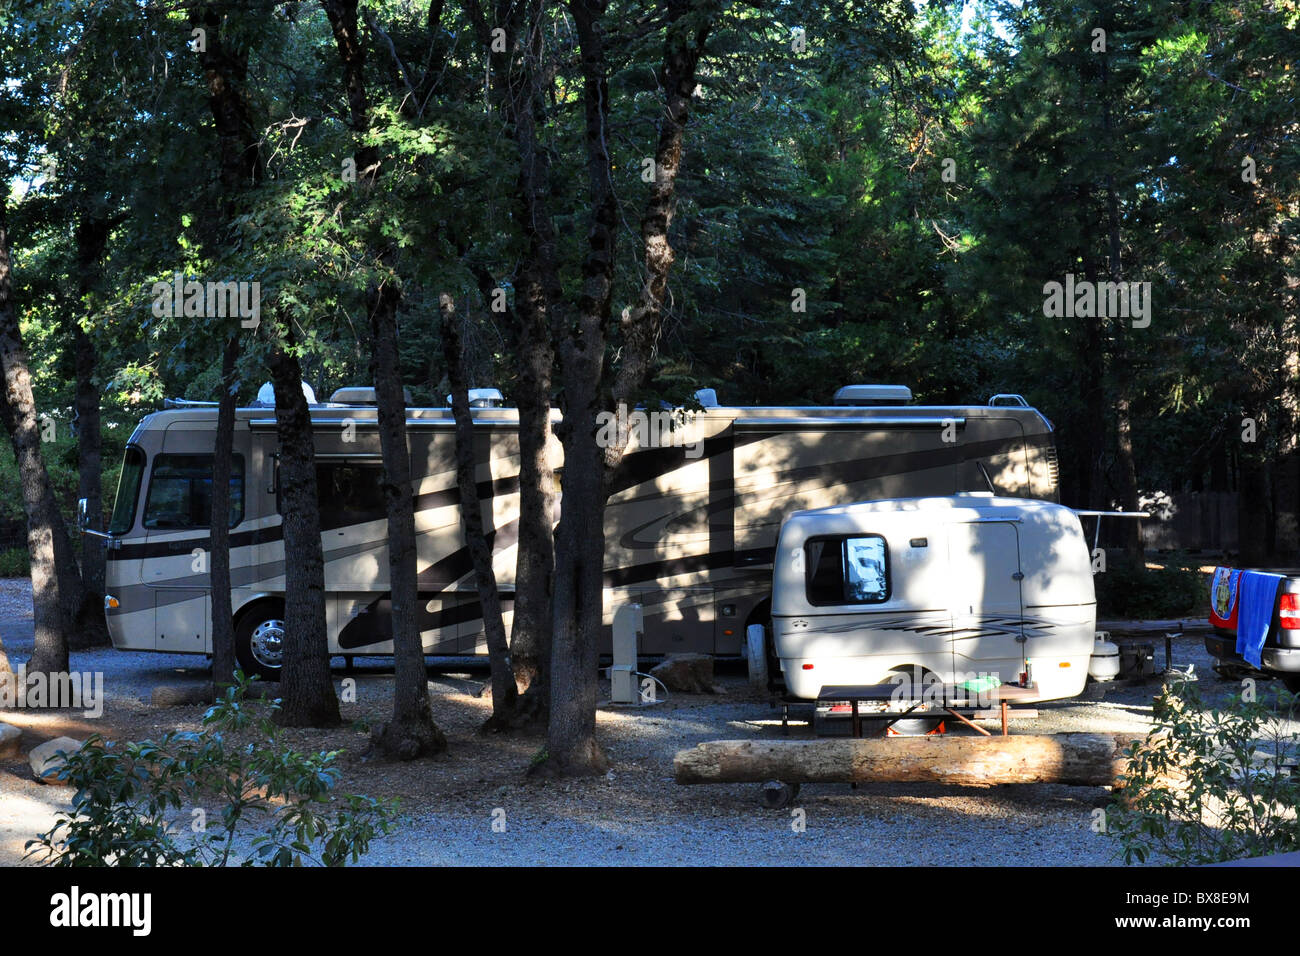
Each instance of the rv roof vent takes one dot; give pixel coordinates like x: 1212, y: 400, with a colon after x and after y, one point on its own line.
x: 483, y: 398
x: 266, y: 395
x: 707, y: 397
x: 873, y: 395
x: 362, y: 395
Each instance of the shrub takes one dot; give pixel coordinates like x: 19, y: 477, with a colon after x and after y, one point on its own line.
x: 126, y: 793
x: 1129, y: 590
x: 15, y: 563
x: 1210, y: 784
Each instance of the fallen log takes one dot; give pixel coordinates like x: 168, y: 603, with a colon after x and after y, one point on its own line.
x: 1078, y: 759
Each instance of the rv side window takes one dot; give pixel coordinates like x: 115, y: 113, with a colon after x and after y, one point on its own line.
x: 847, y: 570
x: 180, y: 492
x: 350, y: 493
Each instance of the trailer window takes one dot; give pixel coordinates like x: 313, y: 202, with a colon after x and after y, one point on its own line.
x: 128, y: 490
x: 180, y: 492
x: 847, y: 570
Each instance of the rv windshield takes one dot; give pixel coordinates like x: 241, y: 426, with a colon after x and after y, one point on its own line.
x: 128, y: 490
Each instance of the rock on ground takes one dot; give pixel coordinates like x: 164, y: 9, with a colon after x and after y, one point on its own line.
x: 687, y: 673
x: 45, y: 765
x: 180, y: 695
x: 9, y: 735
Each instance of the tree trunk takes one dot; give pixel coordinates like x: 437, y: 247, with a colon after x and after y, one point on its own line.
x: 90, y: 628
x: 77, y: 607
x: 411, y: 733
x: 504, y: 691
x: 530, y: 633
x: 87, y: 624
x: 517, y: 94
x: 1092, y: 440
x: 225, y: 69
x: 579, y: 554
x: 578, y: 606
x: 1132, y: 530
x: 306, y: 685
x: 342, y: 15
x: 1089, y: 760
x: 1253, y: 517
x: 579, y: 593
x: 50, y: 654
x: 223, y: 619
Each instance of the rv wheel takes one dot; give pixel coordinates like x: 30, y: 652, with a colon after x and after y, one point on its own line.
x: 259, y: 642
x: 1292, y: 683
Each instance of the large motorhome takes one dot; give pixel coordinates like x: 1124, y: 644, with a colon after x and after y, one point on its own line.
x: 690, y: 529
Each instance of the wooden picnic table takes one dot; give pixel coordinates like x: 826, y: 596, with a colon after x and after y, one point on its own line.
x: 950, y: 697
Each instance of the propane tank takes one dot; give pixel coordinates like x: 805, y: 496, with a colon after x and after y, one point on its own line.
x: 1104, y: 663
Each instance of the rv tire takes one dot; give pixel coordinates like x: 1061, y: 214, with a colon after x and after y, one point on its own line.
x: 259, y: 636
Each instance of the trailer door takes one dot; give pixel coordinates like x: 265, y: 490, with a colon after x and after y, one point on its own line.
x: 987, y: 615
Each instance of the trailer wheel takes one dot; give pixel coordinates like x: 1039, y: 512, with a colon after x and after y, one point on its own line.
x: 259, y: 641
x: 777, y: 795
x: 915, y: 726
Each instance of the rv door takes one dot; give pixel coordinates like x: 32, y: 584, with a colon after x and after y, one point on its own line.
x: 987, y: 615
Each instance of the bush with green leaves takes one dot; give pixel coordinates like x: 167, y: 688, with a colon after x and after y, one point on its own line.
x: 15, y: 563
x: 1211, y: 783
x: 1130, y: 590
x: 139, y: 803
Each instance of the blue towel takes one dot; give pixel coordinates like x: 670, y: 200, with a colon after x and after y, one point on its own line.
x: 1256, y: 601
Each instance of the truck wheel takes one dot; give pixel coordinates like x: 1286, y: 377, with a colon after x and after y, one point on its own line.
x: 259, y: 642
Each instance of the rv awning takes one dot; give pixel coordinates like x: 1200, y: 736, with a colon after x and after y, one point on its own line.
x: 854, y: 422
x: 1096, y: 538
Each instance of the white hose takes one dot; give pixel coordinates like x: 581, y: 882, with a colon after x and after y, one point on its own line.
x: 657, y: 681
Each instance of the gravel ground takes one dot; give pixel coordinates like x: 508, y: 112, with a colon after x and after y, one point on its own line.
x: 635, y: 815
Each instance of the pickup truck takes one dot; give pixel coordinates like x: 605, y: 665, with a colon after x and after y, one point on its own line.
x: 1255, y: 617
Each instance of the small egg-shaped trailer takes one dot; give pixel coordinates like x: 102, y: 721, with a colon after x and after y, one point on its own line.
x: 959, y: 588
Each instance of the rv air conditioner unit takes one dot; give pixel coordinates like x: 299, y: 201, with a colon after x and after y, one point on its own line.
x: 362, y: 395
x: 266, y: 395
x: 873, y: 395
x: 483, y: 398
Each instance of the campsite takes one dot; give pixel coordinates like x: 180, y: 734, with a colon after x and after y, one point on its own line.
x: 553, y: 435
x: 635, y: 814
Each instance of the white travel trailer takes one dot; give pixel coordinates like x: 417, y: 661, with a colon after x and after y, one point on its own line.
x: 690, y: 531
x: 959, y: 586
